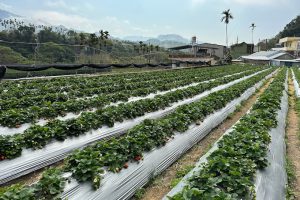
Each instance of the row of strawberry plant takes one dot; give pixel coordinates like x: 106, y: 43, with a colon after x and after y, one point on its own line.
x: 297, y: 74
x: 50, y: 186
x: 39, y: 96
x: 117, y: 86
x: 85, y: 80
x: 87, y: 164
x: 38, y: 136
x: 114, y: 154
x: 29, y: 87
x: 43, y: 97
x: 66, y: 85
x: 15, y: 117
x: 81, y: 80
x: 230, y: 170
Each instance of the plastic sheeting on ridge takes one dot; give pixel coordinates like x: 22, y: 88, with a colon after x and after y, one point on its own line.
x: 41, y: 67
x: 124, y: 184
x: 270, y: 183
x: 32, y: 160
x: 12, y: 131
x: 203, y: 159
x: 296, y: 85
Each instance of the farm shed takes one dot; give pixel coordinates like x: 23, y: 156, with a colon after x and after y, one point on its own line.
x: 202, y: 50
x: 265, y: 57
x: 240, y: 49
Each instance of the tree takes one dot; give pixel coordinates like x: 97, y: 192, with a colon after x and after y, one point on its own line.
x: 157, y: 48
x: 151, y: 47
x: 9, y: 56
x: 141, y: 45
x: 252, y: 28
x: 106, y: 34
x: 52, y: 53
x: 226, y: 18
x: 93, y: 40
x: 292, y: 29
x: 82, y: 38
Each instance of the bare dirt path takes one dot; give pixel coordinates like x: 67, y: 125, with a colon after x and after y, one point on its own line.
x: 161, y: 185
x: 293, y: 139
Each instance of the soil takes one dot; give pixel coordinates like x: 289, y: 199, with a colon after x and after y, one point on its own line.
x: 31, y: 178
x: 293, y: 142
x: 161, y: 185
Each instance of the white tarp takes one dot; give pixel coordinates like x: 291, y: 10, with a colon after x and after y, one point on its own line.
x: 124, y: 184
x: 270, y: 183
x: 12, y: 131
x: 296, y: 85
x: 32, y: 160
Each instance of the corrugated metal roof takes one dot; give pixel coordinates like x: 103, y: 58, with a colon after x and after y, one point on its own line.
x: 265, y: 55
x: 202, y: 45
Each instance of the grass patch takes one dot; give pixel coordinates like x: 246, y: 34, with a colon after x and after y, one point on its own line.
x: 139, y: 194
x: 180, y: 174
x: 291, y: 178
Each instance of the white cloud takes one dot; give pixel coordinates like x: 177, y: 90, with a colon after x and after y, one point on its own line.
x: 5, y: 6
x: 61, y: 4
x: 114, y: 25
x: 126, y: 21
x: 57, y: 18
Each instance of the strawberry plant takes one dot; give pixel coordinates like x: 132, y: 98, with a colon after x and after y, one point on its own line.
x: 49, y: 186
x: 115, y: 153
x: 37, y: 136
x: 54, y: 104
x: 229, y: 171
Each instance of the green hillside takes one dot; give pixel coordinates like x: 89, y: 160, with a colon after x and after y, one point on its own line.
x: 72, y: 47
x: 292, y: 29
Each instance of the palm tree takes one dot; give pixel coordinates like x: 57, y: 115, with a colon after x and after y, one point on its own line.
x: 226, y: 18
x: 157, y: 48
x: 141, y: 45
x: 106, y: 34
x: 252, y: 27
x: 82, y: 39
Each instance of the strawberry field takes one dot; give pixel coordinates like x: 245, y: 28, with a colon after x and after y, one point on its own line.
x: 107, y: 136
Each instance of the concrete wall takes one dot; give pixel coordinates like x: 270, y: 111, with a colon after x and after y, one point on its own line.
x: 285, y: 63
x: 241, y: 49
x: 220, y: 51
x: 257, y: 62
x: 285, y: 57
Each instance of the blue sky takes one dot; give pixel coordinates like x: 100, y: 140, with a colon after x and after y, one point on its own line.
x: 153, y: 17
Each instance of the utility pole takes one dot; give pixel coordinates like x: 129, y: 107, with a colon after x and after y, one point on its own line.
x: 252, y: 27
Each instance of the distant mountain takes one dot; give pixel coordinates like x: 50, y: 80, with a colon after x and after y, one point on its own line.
x: 165, y: 44
x: 167, y: 41
x: 168, y: 37
x: 5, y: 14
x: 173, y: 37
x: 136, y: 38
